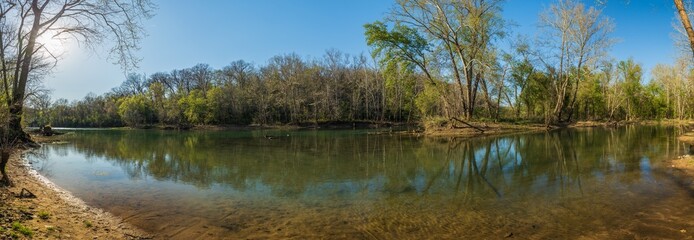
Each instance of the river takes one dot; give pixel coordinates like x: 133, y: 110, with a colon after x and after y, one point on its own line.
x: 354, y: 184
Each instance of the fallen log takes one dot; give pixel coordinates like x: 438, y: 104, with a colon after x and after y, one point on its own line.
x: 469, y: 125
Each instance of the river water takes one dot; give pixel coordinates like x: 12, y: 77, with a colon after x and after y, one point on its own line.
x: 354, y: 184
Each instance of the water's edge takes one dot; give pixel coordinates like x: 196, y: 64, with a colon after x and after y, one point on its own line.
x: 71, y: 201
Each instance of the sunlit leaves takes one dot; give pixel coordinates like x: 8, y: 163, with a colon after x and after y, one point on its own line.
x: 194, y: 107
x: 135, y: 110
x: 401, y: 43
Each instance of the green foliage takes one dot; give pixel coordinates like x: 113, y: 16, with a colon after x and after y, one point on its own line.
x: 398, y: 44
x: 44, y: 215
x: 428, y: 101
x: 136, y: 110
x: 87, y: 224
x: 521, y: 72
x: 17, y: 226
x: 195, y: 107
x: 92, y: 111
x: 220, y: 106
x: 156, y: 91
x: 536, y: 95
x: 653, y: 102
x: 592, y: 104
x: 400, y: 88
x: 630, y: 74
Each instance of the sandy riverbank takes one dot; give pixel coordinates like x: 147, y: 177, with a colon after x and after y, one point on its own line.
x: 53, y: 213
x: 685, y: 164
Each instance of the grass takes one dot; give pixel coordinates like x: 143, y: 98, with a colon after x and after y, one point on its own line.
x: 22, y: 229
x: 88, y: 224
x: 44, y: 215
x: 50, y: 228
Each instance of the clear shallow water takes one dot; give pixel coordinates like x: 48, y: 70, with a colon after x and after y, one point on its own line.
x: 593, y: 183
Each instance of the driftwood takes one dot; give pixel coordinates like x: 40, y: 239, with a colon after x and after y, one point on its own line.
x: 468, y: 125
x: 25, y: 193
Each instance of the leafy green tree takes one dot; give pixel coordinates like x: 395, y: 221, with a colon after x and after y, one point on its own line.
x: 448, y: 40
x: 195, y: 107
x: 400, y: 89
x: 428, y: 100
x: 219, y: 105
x: 521, y: 70
x: 535, y: 96
x: 136, y: 110
x: 591, y: 101
x: 630, y: 74
x: 656, y: 102
x: 156, y: 92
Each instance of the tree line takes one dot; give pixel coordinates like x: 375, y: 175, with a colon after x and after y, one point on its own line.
x: 429, y: 60
x: 288, y: 89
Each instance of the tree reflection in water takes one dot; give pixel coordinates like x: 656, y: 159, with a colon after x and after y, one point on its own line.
x: 349, y: 163
x: 387, y: 186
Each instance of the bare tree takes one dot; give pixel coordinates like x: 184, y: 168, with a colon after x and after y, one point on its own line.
x: 40, y: 103
x: 577, y: 37
x: 611, y: 88
x: 23, y: 23
x: 684, y: 17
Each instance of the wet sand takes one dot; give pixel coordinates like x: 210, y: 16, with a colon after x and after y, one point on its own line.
x: 54, y: 213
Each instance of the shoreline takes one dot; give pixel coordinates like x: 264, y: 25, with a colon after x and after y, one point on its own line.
x: 241, y: 127
x: 447, y: 128
x: 684, y: 164
x: 54, y: 212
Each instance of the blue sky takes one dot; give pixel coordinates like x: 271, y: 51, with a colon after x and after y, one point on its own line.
x: 184, y: 33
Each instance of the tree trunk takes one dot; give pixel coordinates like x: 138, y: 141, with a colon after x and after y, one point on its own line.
x: 16, y: 132
x: 16, y: 107
x: 685, y: 22
x: 4, y: 158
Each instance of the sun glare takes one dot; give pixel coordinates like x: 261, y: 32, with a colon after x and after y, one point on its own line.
x: 48, y: 42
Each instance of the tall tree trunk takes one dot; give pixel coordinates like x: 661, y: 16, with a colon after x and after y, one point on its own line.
x: 4, y: 158
x: 16, y: 131
x: 19, y: 89
x: 686, y: 23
